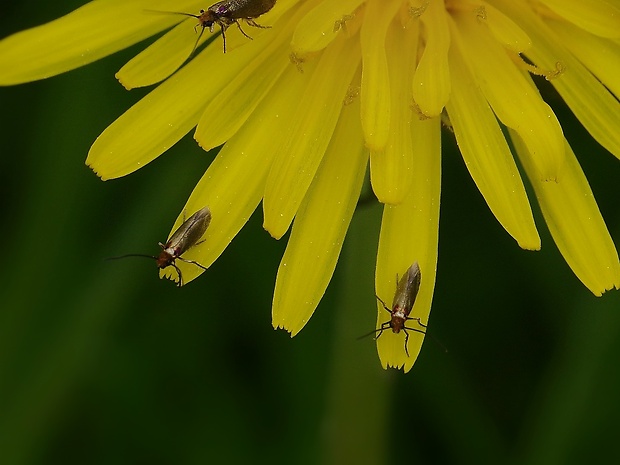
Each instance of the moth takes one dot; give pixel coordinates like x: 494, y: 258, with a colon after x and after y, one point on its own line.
x: 230, y: 12
x: 184, y: 238
x: 404, y: 298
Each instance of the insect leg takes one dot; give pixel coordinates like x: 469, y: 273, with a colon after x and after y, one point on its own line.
x: 383, y: 303
x: 192, y: 262
x: 407, y: 334
x: 406, y: 341
x: 193, y: 50
x: 180, y: 283
x: 418, y: 320
x: 253, y: 23
x: 242, y: 31
x: 223, y: 27
x: 414, y: 329
x: 383, y: 326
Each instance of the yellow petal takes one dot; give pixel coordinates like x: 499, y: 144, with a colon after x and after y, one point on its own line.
x: 431, y: 82
x: 504, y: 29
x: 589, y: 100
x: 575, y: 223
x: 321, y: 25
x: 304, y: 142
x: 320, y: 226
x: 390, y: 170
x: 409, y: 233
x: 513, y: 97
x: 487, y: 155
x: 163, y: 57
x: 234, y: 184
x: 232, y: 106
x: 165, y: 115
x: 375, y: 80
x: 89, y: 33
x: 268, y: 22
x: 604, y: 64
x: 600, y: 17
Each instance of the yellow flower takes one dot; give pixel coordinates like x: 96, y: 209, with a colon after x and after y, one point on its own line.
x: 333, y: 84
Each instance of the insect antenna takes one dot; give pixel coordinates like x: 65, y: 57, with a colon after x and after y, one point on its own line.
x: 435, y: 340
x: 190, y: 15
x: 132, y: 255
x: 380, y: 330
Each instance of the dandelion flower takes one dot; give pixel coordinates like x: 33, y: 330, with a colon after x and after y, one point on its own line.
x: 335, y: 85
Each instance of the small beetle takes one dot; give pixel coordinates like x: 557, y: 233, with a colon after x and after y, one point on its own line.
x: 406, y: 293
x: 183, y: 239
x: 230, y: 12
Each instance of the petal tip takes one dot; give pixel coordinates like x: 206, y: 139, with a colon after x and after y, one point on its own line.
x: 94, y: 170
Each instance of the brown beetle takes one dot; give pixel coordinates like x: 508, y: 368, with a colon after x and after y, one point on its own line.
x: 406, y: 293
x: 183, y: 239
x: 230, y: 12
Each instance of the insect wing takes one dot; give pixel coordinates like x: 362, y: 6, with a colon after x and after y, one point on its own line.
x: 190, y: 232
x: 407, y: 289
x: 221, y: 8
x: 245, y: 9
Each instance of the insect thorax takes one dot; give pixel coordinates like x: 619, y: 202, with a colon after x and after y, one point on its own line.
x: 166, y: 258
x: 399, y: 318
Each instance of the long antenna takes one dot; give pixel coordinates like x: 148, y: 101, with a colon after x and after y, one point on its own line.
x: 132, y: 255
x: 190, y: 15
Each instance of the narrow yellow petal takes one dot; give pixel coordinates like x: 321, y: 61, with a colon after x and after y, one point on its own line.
x: 89, y: 33
x: 600, y: 17
x: 165, y: 115
x: 303, y: 144
x: 409, y: 233
x: 589, y: 100
x: 513, y: 97
x: 234, y: 184
x: 320, y: 226
x: 390, y: 170
x: 375, y: 94
x: 322, y: 24
x: 232, y: 106
x: 487, y: 156
x: 166, y: 55
x: 504, y: 29
x: 575, y: 223
x: 431, y: 82
x: 163, y: 57
x: 604, y: 64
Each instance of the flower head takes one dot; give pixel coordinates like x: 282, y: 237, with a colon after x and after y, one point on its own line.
x: 326, y: 87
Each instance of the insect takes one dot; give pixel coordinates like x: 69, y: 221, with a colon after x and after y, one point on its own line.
x: 183, y: 239
x: 406, y: 292
x: 229, y: 12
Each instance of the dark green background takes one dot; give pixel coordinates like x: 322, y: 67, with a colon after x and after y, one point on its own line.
x: 103, y: 363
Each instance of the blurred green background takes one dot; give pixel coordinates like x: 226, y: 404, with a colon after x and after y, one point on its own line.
x: 103, y: 363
